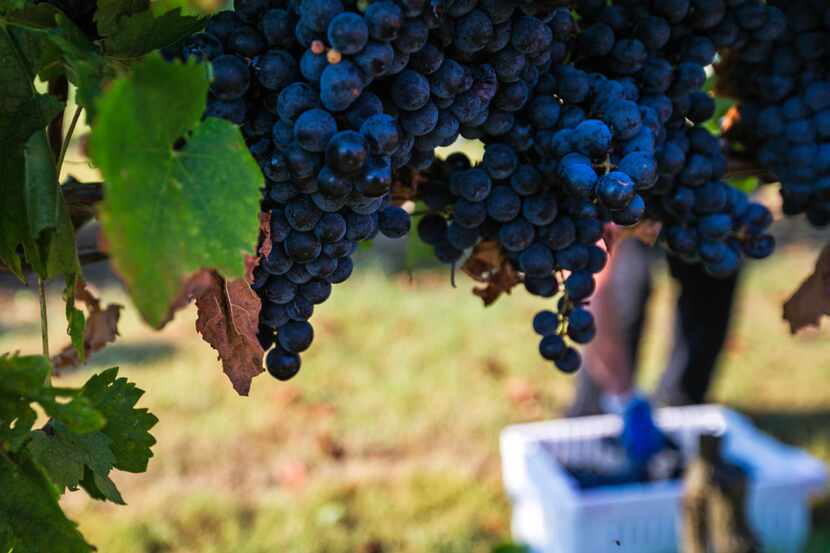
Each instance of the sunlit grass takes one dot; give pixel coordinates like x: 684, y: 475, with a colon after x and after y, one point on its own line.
x: 388, y: 439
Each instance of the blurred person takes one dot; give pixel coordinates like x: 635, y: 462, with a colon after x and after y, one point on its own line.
x: 702, y: 316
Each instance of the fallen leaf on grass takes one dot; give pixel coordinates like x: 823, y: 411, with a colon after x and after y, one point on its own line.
x: 812, y: 299
x: 330, y: 446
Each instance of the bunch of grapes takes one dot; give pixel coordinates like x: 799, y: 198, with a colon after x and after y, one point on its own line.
x: 664, y: 48
x: 781, y: 77
x: 588, y: 116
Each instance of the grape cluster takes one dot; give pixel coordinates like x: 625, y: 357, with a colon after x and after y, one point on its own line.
x: 663, y: 48
x: 296, y: 77
x: 588, y: 116
x: 782, y: 81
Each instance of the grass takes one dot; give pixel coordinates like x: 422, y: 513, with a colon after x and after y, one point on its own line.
x: 388, y: 440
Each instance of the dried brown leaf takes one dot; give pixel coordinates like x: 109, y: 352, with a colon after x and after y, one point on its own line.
x: 101, y: 328
x: 264, y: 235
x: 485, y: 259
x: 228, y: 320
x: 646, y: 231
x: 488, y: 265
x: 405, y: 187
x: 812, y: 299
x: 501, y: 282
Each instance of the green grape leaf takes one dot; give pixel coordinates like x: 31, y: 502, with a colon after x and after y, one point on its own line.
x: 168, y: 213
x: 143, y: 32
x: 188, y: 7
x: 66, y: 455
x: 31, y: 521
x: 52, y: 38
x: 127, y: 428
x: 109, y: 13
x: 13, y: 5
x: 27, y: 26
x: 86, y: 68
x: 16, y: 420
x: 100, y: 487
x: 31, y: 204
x: 75, y: 319
x: 23, y: 381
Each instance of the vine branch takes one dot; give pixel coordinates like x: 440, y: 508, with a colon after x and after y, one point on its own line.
x: 68, y: 138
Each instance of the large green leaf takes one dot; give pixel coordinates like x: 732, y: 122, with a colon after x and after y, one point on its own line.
x: 169, y: 213
x: 127, y: 428
x: 65, y: 456
x: 31, y: 521
x: 143, y: 32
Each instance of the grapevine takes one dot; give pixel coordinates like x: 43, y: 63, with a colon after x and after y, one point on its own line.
x: 245, y: 156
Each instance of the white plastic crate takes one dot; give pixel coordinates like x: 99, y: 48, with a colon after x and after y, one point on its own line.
x: 552, y: 515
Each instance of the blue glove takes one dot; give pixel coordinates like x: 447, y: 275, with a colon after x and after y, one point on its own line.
x: 640, y: 438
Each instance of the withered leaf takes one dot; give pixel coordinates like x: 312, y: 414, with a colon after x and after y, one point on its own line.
x: 488, y: 265
x: 485, y: 259
x: 265, y: 239
x: 646, y: 231
x: 812, y: 299
x: 228, y: 320
x: 101, y: 327
x: 501, y: 282
x: 405, y: 187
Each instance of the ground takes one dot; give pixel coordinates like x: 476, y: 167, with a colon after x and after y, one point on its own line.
x: 388, y: 439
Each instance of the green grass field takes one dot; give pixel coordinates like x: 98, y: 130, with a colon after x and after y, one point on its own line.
x: 388, y: 439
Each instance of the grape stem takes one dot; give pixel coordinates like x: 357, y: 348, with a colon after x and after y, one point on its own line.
x: 44, y: 321
x: 68, y: 138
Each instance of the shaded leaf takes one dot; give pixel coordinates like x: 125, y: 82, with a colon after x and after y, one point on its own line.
x: 31, y: 208
x: 42, y: 55
x: 23, y: 381
x: 31, y: 521
x: 811, y: 301
x: 16, y: 420
x: 54, y: 251
x: 75, y: 320
x: 141, y: 33
x: 66, y: 455
x: 101, y: 328
x: 10, y: 5
x: 167, y: 214
x: 126, y: 427
x: 110, y: 12
x: 86, y: 68
x: 97, y: 487
x: 228, y: 320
